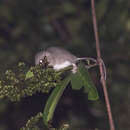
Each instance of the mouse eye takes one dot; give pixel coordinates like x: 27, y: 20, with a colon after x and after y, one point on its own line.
x: 40, y: 61
x: 44, y: 62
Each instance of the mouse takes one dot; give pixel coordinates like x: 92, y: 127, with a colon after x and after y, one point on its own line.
x: 59, y: 58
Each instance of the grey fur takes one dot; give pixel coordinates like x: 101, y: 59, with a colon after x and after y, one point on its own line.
x: 55, y: 55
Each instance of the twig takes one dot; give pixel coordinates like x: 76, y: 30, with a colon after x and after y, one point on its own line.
x: 61, y: 29
x: 64, y: 35
x: 103, y: 81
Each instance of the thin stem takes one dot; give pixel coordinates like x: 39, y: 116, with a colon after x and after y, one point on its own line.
x: 103, y: 81
x: 61, y: 31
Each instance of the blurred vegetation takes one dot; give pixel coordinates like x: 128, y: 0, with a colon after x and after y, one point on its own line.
x: 21, y: 83
x: 28, y: 26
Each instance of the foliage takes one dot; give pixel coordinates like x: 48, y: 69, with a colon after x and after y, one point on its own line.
x: 22, y: 82
x: 84, y: 81
x: 32, y: 124
x: 29, y: 26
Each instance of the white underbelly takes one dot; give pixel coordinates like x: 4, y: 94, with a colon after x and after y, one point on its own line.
x: 62, y: 65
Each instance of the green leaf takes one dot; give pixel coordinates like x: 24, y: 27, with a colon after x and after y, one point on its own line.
x: 93, y: 94
x: 76, y: 81
x: 88, y: 84
x: 82, y: 79
x: 29, y: 74
x: 53, y: 100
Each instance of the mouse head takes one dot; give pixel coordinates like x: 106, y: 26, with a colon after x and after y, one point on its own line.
x: 42, y: 58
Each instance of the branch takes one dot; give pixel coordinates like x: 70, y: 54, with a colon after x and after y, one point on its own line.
x: 99, y: 59
x: 61, y: 29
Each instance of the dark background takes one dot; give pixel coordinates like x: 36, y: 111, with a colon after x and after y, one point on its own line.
x: 28, y: 26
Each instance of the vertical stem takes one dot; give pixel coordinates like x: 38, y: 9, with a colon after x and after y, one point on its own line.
x: 103, y: 81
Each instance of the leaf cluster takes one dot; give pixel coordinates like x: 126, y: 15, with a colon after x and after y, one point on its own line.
x: 22, y: 82
x: 78, y: 80
x: 34, y: 123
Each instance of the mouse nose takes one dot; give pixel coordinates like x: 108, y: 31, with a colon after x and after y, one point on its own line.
x: 44, y: 62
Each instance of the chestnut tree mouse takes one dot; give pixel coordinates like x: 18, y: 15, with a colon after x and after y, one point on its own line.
x: 60, y: 58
